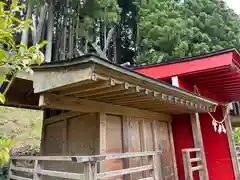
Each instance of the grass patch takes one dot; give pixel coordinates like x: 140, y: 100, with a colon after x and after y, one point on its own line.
x: 24, y: 126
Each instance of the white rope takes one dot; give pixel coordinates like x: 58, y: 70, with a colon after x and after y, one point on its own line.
x: 217, y: 125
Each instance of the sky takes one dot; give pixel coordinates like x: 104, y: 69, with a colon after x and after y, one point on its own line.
x: 234, y: 4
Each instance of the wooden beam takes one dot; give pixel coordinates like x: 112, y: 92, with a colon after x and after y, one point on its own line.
x: 90, y: 170
x: 36, y: 176
x: 46, y: 80
x: 65, y: 136
x: 143, y: 142
x: 187, y: 166
x: 60, y: 117
x: 158, y: 162
x: 43, y: 134
x: 125, y: 140
x: 88, y: 87
x: 104, y: 91
x: 231, y: 143
x: 112, y: 174
x: 198, y: 143
x: 84, y: 105
x: 102, y: 138
x: 175, y: 170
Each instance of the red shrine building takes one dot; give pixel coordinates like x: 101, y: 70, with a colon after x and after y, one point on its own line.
x: 215, y: 76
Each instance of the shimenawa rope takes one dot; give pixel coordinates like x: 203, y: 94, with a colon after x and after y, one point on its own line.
x: 217, y: 125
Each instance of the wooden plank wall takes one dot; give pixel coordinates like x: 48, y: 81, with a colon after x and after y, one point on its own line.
x: 114, y: 142
x: 99, y: 133
x: 129, y: 134
x: 78, y: 135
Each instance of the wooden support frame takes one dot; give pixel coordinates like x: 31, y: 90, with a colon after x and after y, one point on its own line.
x: 125, y: 136
x: 60, y: 117
x: 157, y: 148
x: 87, y: 106
x: 175, y: 171
x: 198, y: 143
x: 231, y: 143
x: 102, y: 138
x: 187, y: 166
x: 73, y: 77
x: 43, y: 134
x: 187, y: 161
x: 143, y: 142
x: 90, y: 166
x: 65, y: 137
x: 90, y: 170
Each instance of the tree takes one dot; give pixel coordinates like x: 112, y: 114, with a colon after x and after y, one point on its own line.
x: 172, y: 29
x: 13, y: 56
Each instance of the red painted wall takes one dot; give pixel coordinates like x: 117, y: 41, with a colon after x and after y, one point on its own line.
x: 216, y: 145
x: 216, y: 148
x: 182, y: 135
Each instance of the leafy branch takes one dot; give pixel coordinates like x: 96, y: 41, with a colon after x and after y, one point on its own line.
x: 15, y: 57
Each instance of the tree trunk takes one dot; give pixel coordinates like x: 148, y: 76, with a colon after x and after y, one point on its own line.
x: 24, y: 38
x: 41, y: 21
x: 59, y: 33
x: 48, y: 54
x: 64, y: 42
x: 70, y: 39
x: 34, y: 30
x: 101, y: 34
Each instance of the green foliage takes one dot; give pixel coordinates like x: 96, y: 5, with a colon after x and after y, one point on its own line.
x: 169, y: 29
x: 237, y: 135
x: 5, y: 147
x: 14, y: 56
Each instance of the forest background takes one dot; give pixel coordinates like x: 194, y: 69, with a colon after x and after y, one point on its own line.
x: 148, y: 31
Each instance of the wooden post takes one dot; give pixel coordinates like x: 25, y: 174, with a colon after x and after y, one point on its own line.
x: 156, y: 167
x: 43, y: 134
x: 187, y: 165
x: 36, y: 176
x: 198, y: 143
x: 157, y: 148
x: 65, y: 137
x: 90, y: 170
x: 102, y: 138
x: 231, y: 142
x: 173, y: 150
x: 125, y: 135
x: 143, y: 144
x: 10, y: 169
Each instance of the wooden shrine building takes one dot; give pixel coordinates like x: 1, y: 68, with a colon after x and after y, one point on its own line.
x: 105, y: 121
